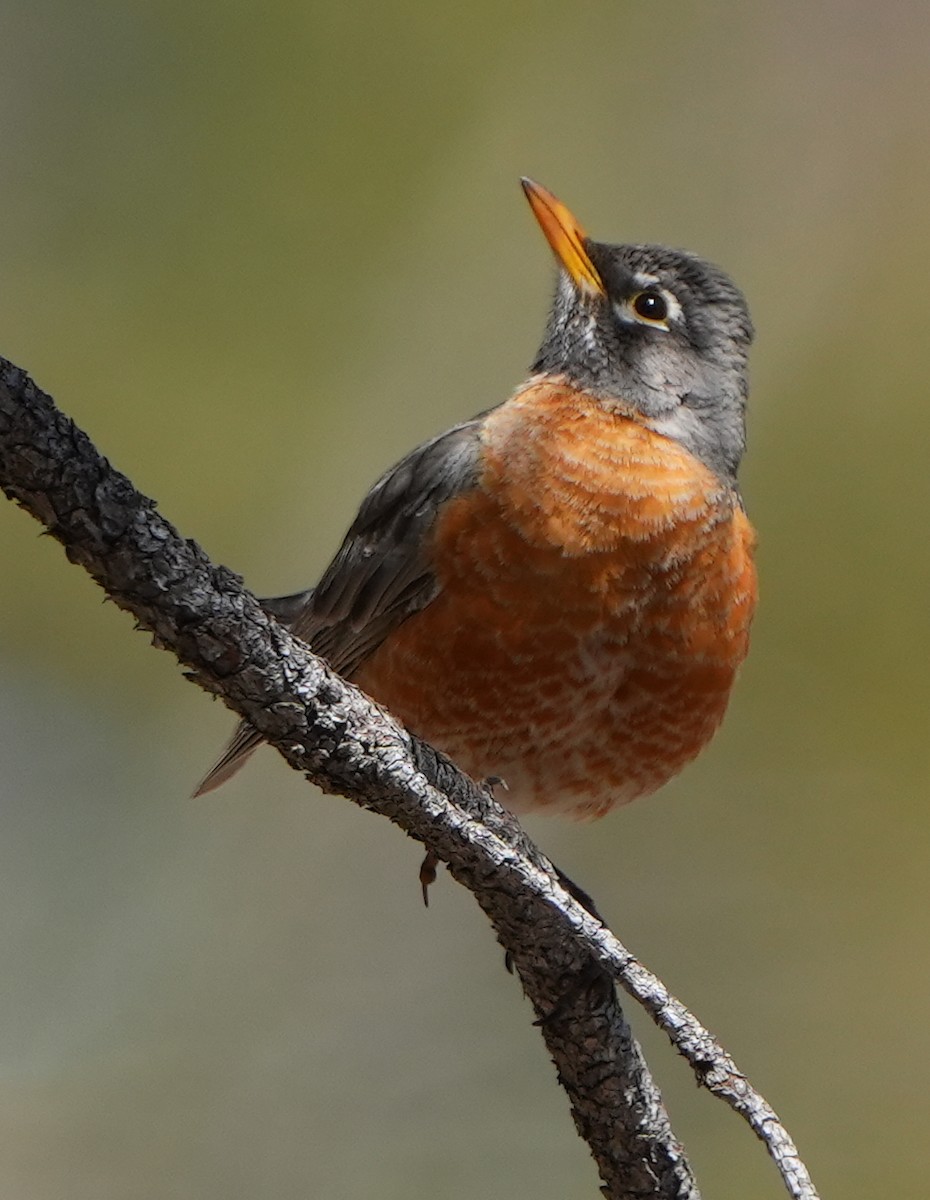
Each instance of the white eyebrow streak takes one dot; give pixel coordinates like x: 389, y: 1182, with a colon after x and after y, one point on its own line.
x: 643, y: 279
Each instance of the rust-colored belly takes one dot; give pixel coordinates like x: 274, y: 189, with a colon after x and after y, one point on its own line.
x: 597, y: 591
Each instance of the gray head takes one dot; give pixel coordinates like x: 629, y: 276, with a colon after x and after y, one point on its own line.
x: 656, y: 333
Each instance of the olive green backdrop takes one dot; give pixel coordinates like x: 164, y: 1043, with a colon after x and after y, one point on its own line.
x: 258, y: 251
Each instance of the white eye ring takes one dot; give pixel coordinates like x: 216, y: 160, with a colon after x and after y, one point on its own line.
x: 652, y: 305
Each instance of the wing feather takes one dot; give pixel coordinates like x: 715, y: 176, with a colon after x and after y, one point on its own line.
x: 381, y: 574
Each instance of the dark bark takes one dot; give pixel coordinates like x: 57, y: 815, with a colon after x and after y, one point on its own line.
x: 345, y: 744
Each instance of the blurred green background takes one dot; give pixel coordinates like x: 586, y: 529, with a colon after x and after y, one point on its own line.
x: 258, y: 251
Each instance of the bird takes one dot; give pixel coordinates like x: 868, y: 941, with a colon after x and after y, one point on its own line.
x: 558, y: 592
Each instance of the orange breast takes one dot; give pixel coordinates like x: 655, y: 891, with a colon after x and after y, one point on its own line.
x: 597, y: 592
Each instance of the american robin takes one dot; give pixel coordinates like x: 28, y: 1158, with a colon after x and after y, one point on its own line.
x: 558, y: 592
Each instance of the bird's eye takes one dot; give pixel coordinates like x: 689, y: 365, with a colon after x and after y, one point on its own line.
x: 650, y: 306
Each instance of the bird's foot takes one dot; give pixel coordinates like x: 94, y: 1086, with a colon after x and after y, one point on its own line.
x: 431, y: 860
x: 580, y: 895
x: 593, y: 983
x: 428, y: 874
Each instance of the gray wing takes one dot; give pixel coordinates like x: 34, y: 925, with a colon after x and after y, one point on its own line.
x: 381, y: 573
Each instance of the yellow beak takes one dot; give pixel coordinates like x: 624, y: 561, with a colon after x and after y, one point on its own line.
x: 565, y: 236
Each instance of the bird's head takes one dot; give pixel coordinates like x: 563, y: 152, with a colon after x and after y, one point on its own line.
x: 658, y: 334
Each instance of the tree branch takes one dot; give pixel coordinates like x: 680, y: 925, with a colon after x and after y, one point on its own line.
x: 346, y: 744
